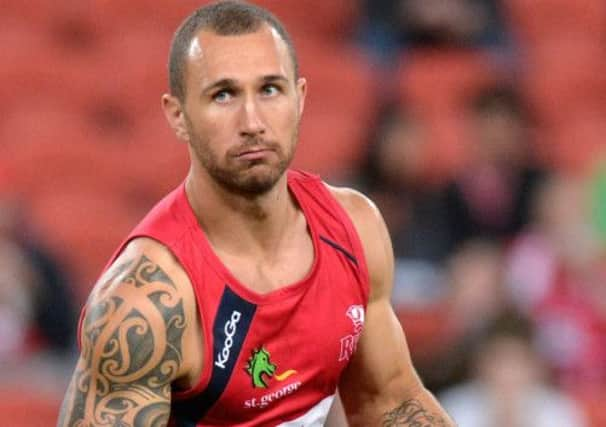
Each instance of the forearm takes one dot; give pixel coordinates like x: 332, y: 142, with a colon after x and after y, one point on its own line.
x: 416, y: 409
x: 421, y: 410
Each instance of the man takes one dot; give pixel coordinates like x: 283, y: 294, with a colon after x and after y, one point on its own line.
x: 241, y: 298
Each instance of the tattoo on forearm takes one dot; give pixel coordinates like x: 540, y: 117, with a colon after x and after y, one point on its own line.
x: 412, y: 414
x: 123, y: 377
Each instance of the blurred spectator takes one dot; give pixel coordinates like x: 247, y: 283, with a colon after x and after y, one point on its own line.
x: 474, y: 295
x: 418, y: 24
x: 36, y: 323
x: 395, y: 178
x: 475, y: 281
x: 17, y: 289
x: 491, y: 197
x: 556, y: 273
x: 509, y: 386
x: 35, y: 291
x: 440, y: 23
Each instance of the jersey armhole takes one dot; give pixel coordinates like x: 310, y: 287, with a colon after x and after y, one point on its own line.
x: 352, y: 235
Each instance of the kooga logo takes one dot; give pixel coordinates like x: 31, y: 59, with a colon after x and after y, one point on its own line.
x: 230, y: 331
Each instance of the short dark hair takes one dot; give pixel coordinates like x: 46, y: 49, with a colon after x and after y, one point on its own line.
x: 226, y: 17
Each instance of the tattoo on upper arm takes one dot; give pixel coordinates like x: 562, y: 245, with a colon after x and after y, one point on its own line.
x: 411, y: 413
x: 131, y: 350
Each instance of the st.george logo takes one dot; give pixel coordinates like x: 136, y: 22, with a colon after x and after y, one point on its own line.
x: 230, y: 331
x: 261, y: 371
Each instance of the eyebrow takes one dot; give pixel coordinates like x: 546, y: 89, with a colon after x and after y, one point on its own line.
x: 219, y: 84
x: 227, y: 82
x: 275, y: 77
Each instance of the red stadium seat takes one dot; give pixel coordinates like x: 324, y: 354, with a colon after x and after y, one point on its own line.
x: 83, y: 228
x: 329, y: 18
x: 335, y: 18
x: 24, y: 50
x: 162, y: 15
x: 332, y: 20
x: 28, y: 407
x: 438, y: 81
x: 126, y: 69
x: 340, y: 109
x: 39, y: 13
x: 436, y: 86
x: 130, y: 70
x: 540, y: 20
x: 564, y: 75
x: 576, y: 144
x: 155, y: 161
x: 68, y: 24
x: 50, y: 146
x: 34, y: 66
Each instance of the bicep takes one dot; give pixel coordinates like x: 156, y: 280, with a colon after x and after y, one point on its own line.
x: 381, y: 369
x: 131, y: 351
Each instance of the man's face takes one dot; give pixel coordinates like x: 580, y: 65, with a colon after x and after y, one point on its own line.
x: 242, y: 108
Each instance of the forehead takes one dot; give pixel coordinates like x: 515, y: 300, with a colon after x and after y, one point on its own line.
x: 241, y: 57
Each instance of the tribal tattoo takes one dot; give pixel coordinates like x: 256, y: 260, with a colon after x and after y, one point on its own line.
x: 412, y: 414
x: 131, y: 351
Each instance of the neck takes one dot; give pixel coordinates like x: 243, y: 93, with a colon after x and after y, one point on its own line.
x: 240, y: 223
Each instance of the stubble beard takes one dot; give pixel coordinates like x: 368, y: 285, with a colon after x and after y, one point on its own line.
x: 249, y: 180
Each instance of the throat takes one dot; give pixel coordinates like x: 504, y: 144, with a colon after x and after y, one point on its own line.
x: 265, y: 274
x: 264, y: 271
x: 233, y: 222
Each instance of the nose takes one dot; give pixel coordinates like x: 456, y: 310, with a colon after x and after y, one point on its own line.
x: 252, y: 121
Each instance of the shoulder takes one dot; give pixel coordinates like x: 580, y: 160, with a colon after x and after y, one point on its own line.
x: 145, y: 291
x: 373, y: 234
x: 364, y: 214
x: 355, y: 203
x: 143, y: 261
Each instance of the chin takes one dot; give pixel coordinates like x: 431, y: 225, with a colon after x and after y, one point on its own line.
x: 254, y: 181
x: 260, y: 182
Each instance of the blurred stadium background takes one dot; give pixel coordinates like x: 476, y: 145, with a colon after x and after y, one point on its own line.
x: 477, y: 126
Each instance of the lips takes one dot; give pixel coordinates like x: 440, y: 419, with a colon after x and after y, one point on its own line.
x: 252, y: 151
x: 253, y: 154
x: 257, y: 150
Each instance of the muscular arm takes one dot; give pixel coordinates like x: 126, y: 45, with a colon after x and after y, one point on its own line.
x: 132, y: 348
x: 380, y: 385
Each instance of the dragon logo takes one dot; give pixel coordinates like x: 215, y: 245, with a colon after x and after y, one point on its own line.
x: 259, y: 365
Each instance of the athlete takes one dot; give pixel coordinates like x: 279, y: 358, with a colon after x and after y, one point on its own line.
x: 252, y: 292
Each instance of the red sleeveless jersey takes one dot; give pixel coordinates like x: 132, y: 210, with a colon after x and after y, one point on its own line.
x: 272, y: 359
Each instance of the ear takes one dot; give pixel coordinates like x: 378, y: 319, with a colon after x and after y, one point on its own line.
x: 173, y: 111
x: 301, y: 92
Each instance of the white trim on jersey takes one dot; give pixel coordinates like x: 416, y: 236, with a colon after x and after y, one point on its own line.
x: 315, y: 417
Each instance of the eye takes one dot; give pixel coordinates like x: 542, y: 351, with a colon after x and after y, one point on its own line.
x: 223, y: 96
x: 270, y: 90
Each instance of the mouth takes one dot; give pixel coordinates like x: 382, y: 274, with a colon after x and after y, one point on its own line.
x: 253, y: 153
